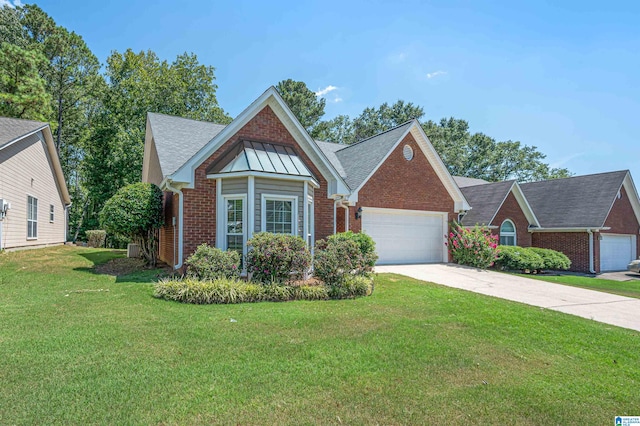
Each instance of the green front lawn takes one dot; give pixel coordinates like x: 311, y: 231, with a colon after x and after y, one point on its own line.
x: 623, y: 288
x: 77, y: 347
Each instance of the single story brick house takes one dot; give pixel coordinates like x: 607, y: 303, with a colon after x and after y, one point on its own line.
x: 33, y: 194
x: 263, y: 172
x: 593, y: 219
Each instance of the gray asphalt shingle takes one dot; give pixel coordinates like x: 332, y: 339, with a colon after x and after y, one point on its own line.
x: 178, y: 139
x: 575, y: 202
x: 463, y: 181
x: 13, y: 128
x: 485, y: 200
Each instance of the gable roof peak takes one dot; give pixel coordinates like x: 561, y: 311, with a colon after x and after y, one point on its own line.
x: 378, y: 134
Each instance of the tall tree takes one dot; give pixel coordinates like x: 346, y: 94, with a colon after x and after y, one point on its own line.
x: 338, y: 130
x: 305, y: 105
x: 376, y: 120
x: 22, y: 91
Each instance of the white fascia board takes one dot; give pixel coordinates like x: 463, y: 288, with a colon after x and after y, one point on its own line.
x: 265, y: 175
x: 55, y: 162
x: 632, y: 193
x: 524, y: 205
x: 19, y: 138
x: 460, y: 203
x: 186, y: 173
x: 578, y: 229
x: 148, y: 141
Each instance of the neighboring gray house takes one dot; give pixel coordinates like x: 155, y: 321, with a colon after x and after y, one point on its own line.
x: 33, y: 194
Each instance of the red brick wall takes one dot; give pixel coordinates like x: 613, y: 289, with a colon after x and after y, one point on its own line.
x: 622, y: 219
x: 166, y: 244
x: 200, y: 202
x: 402, y: 184
x: 510, y: 209
x: 574, y: 244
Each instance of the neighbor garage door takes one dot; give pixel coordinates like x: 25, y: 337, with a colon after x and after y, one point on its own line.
x: 406, y: 236
x: 616, y: 251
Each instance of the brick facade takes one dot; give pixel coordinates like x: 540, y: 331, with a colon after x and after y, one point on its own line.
x: 200, y: 202
x: 168, y: 251
x: 511, y: 210
x: 622, y: 219
x: 402, y: 184
x: 573, y: 244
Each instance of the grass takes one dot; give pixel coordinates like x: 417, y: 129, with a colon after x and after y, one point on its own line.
x: 81, y: 348
x: 629, y: 288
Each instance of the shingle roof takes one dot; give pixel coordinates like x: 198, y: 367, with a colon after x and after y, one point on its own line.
x: 575, y: 202
x: 485, y: 200
x: 463, y: 181
x: 329, y: 149
x: 361, y: 158
x: 13, y: 128
x: 178, y: 139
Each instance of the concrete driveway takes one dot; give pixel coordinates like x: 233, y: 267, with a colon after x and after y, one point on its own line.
x: 594, y: 305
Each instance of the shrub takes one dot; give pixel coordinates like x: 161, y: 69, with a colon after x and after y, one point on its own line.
x: 519, y: 259
x: 475, y: 247
x: 96, y: 238
x: 553, y: 260
x: 310, y: 292
x: 221, y: 290
x: 277, y: 258
x: 343, y: 255
x: 135, y: 211
x: 351, y: 286
x: 208, y: 263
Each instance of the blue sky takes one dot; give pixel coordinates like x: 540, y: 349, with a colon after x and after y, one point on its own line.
x: 560, y: 75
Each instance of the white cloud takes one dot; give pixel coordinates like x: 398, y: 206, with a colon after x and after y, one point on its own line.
x: 322, y: 92
x: 431, y: 75
x: 16, y: 3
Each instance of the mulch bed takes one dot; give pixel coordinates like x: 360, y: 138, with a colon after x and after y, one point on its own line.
x: 128, y: 265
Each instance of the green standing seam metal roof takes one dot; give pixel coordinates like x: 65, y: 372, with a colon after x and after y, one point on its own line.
x: 178, y: 139
x: 485, y: 200
x: 574, y: 202
x: 12, y: 129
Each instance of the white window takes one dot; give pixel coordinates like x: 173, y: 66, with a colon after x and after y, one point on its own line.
x: 51, y: 213
x: 235, y: 223
x: 32, y: 217
x: 279, y: 214
x: 508, y: 233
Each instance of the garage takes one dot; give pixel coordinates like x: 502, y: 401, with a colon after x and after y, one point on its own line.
x: 616, y: 251
x: 406, y: 236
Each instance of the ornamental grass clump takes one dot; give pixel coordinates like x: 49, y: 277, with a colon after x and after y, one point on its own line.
x: 475, y: 247
x: 278, y: 258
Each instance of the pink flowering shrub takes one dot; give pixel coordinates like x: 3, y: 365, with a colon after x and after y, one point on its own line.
x: 472, y: 247
x: 277, y: 258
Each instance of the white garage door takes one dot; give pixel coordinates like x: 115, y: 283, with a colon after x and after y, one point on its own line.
x: 406, y: 236
x: 616, y: 251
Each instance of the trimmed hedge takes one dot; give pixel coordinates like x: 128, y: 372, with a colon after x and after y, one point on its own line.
x: 553, y: 260
x: 531, y: 259
x: 229, y: 291
x: 343, y: 255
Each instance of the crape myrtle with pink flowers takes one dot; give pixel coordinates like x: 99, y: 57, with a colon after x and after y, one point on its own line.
x: 475, y: 246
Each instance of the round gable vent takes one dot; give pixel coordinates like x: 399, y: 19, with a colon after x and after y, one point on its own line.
x: 407, y: 151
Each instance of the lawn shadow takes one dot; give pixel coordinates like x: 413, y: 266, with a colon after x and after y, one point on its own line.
x: 124, y: 269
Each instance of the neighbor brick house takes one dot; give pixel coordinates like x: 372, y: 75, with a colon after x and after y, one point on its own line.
x: 33, y: 194
x: 593, y: 219
x: 263, y: 172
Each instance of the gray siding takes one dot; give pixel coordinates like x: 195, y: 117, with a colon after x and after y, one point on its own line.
x: 26, y: 169
x: 234, y: 186
x: 278, y: 187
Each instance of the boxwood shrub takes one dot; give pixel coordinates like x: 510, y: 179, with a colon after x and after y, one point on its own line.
x: 344, y: 255
x: 277, y: 258
x: 515, y: 258
x: 553, y: 260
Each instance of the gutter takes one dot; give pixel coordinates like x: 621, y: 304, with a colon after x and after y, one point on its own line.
x: 591, y: 268
x: 167, y: 185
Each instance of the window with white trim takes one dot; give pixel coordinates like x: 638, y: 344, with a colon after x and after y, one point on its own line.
x: 52, y: 215
x: 234, y: 224
x: 32, y: 217
x: 507, y: 233
x: 279, y: 214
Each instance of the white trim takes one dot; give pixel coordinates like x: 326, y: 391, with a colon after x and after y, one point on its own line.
x: 522, y: 202
x: 186, y: 173
x: 632, y: 193
x: 422, y: 140
x: 219, y: 209
x: 223, y: 213
x: 305, y: 214
x: 251, y: 206
x: 513, y: 234
x: 52, y: 213
x: 279, y: 197
x: 267, y: 175
x: 32, y: 220
x: 312, y: 231
x: 585, y: 229
x: 166, y: 184
x: 19, y: 138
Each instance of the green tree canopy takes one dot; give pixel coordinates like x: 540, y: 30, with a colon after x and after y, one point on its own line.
x: 135, y: 212
x: 22, y: 91
x: 376, y: 120
x: 305, y: 105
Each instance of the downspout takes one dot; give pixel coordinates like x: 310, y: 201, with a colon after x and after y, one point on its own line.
x: 67, y: 207
x: 591, y: 268
x: 335, y: 204
x: 177, y: 265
